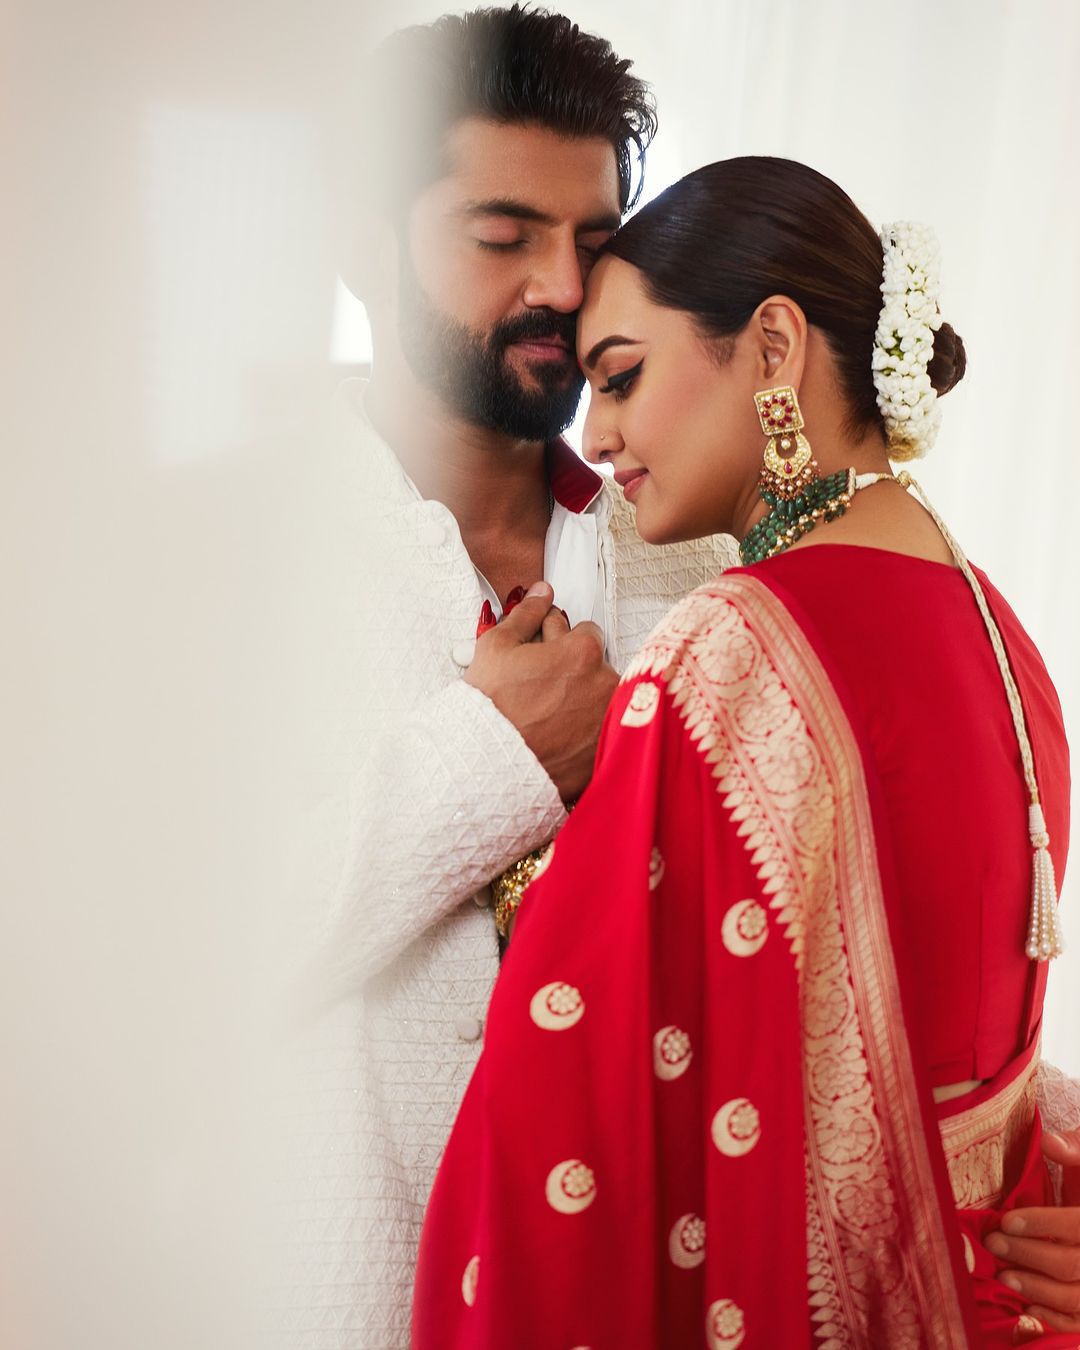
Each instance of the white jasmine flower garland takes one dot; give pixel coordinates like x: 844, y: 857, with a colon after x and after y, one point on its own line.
x: 904, y: 341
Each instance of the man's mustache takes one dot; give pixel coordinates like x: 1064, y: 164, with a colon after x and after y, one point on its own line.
x: 535, y: 324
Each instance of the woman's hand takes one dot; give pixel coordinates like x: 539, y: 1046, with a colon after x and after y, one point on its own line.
x: 1043, y: 1244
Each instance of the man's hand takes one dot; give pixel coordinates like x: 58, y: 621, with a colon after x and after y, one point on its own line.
x: 1044, y: 1244
x: 555, y: 691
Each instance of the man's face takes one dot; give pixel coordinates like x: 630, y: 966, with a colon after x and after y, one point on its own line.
x: 493, y: 269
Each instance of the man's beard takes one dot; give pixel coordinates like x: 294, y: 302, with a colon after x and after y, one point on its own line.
x: 472, y: 374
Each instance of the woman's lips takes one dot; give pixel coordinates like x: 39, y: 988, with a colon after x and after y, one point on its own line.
x: 630, y: 480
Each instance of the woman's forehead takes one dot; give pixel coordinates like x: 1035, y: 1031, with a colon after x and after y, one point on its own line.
x: 614, y: 300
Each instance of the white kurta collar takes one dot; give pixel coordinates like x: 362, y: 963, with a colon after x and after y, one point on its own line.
x: 573, y: 562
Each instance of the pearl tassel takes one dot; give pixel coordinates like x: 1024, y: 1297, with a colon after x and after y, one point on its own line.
x: 1044, y: 932
x: 1044, y: 939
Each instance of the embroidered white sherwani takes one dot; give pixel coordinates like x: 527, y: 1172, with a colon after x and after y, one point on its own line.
x: 423, y: 793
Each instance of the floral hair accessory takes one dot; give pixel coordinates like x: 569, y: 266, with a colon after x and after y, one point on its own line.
x: 904, y: 341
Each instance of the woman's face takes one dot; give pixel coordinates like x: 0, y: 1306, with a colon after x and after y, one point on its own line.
x: 678, y: 425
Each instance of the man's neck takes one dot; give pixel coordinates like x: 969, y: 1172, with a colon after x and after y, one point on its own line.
x: 495, y: 485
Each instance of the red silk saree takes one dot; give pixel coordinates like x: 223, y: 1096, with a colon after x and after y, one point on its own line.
x: 703, y: 1114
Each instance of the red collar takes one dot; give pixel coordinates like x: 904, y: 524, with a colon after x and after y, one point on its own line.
x: 573, y: 484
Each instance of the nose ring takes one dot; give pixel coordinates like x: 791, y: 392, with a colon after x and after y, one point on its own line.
x: 604, y: 436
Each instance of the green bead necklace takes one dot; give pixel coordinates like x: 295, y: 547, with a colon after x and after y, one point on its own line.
x: 820, y: 499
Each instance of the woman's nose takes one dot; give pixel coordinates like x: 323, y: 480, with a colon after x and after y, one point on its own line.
x: 598, y: 441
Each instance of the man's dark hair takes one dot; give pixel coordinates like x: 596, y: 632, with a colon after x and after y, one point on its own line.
x: 516, y: 66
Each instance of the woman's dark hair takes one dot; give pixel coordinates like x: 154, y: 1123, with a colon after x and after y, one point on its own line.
x: 517, y: 66
x: 727, y: 236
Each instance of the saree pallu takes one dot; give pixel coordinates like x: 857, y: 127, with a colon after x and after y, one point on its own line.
x: 697, y: 1120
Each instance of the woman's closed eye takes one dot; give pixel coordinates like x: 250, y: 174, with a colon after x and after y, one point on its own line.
x: 619, y: 384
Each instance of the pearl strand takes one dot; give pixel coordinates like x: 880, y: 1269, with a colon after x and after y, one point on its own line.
x: 1045, y: 939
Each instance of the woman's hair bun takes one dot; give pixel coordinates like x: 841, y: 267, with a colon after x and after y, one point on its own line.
x: 949, y: 361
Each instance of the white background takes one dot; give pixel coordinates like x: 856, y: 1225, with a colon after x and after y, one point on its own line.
x: 168, y: 274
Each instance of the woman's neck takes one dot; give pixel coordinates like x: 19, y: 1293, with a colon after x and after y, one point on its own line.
x: 834, y: 448
x: 882, y: 516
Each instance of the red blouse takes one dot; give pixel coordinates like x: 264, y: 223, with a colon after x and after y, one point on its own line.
x: 903, y: 640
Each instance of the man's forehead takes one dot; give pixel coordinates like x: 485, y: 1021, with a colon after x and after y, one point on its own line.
x: 560, y: 176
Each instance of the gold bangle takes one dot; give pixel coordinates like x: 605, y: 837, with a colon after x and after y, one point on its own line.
x: 508, y: 889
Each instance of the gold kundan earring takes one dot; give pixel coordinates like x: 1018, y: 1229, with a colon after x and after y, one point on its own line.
x: 798, y: 497
x: 789, y: 465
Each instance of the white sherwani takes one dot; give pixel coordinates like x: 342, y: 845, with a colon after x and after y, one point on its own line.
x: 424, y: 792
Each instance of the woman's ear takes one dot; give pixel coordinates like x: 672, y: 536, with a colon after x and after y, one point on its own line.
x: 780, y: 329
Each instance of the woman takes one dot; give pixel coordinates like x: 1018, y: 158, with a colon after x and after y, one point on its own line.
x: 759, y: 1065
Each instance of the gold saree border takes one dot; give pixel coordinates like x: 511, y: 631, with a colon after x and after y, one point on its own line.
x: 759, y: 706
x: 979, y: 1141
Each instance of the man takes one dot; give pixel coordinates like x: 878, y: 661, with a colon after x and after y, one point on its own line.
x: 517, y: 139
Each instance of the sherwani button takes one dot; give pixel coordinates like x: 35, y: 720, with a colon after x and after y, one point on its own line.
x: 463, y: 652
x: 468, y: 1028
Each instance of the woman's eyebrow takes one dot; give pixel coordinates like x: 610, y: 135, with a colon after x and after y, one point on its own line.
x: 615, y: 340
